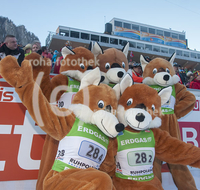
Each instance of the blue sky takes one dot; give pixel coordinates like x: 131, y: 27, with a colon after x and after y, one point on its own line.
x: 40, y: 17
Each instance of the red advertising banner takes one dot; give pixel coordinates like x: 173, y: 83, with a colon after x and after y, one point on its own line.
x: 21, y: 141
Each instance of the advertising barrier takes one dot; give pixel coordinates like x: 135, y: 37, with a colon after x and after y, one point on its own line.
x: 21, y: 142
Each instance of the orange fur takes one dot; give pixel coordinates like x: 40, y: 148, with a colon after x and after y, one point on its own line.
x: 112, y: 56
x: 113, y: 63
x: 47, y: 85
x: 72, y: 62
x: 167, y: 148
x: 185, y: 102
x: 57, y: 122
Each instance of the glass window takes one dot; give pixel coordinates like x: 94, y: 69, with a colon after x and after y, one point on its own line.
x: 167, y: 34
x: 152, y: 31
x: 67, y: 33
x: 118, y: 23
x: 94, y: 37
x: 159, y: 32
x: 156, y: 48
x: 64, y: 33
x: 179, y: 52
x: 104, y: 39
x: 127, y: 25
x: 148, y: 47
x: 181, y: 37
x: 193, y: 55
x: 140, y: 46
x: 74, y: 34
x: 164, y: 50
x: 186, y: 54
x: 171, y: 51
x: 174, y: 35
x: 198, y: 56
x: 123, y: 42
x: 135, y: 27
x: 143, y: 29
x: 114, y: 41
x: 132, y: 44
x: 85, y: 36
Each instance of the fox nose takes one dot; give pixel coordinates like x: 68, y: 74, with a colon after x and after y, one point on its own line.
x: 140, y: 117
x: 119, y: 127
x: 166, y: 77
x: 120, y: 74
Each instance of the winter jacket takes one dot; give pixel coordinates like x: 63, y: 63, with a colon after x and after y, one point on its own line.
x: 195, y: 84
x: 17, y: 53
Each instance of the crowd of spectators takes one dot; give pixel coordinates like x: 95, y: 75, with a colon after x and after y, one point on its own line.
x: 189, y: 78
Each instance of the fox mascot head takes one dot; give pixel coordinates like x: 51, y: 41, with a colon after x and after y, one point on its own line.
x: 159, y: 71
x: 112, y: 62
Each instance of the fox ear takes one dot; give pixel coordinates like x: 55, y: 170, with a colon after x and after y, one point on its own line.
x: 125, y: 49
x: 143, y: 62
x: 125, y: 83
x: 66, y: 51
x: 92, y: 78
x: 119, y: 88
x: 96, y: 49
x: 165, y: 94
x: 172, y: 58
x: 116, y: 88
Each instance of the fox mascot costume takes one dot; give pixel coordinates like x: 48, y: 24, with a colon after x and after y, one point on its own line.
x: 78, y: 62
x: 83, y: 130
x: 135, y: 148
x: 159, y: 73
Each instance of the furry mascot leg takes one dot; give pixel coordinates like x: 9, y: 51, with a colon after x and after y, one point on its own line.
x: 48, y: 156
x: 157, y: 166
x: 78, y: 179
x: 179, y: 174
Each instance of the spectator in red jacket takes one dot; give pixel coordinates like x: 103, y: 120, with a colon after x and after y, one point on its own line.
x: 137, y: 72
x: 195, y: 84
x: 45, y: 53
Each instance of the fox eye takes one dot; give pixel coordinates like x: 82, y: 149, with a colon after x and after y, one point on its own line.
x: 167, y: 70
x: 129, y: 102
x: 107, y: 66
x: 82, y: 66
x: 154, y: 71
x: 153, y: 107
x: 123, y: 64
x: 101, y: 104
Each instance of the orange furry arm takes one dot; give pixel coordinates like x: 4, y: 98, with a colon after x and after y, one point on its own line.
x: 41, y: 68
x: 54, y: 121
x: 50, y: 118
x: 56, y: 81
x: 109, y: 164
x: 172, y: 150
x: 185, y: 101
